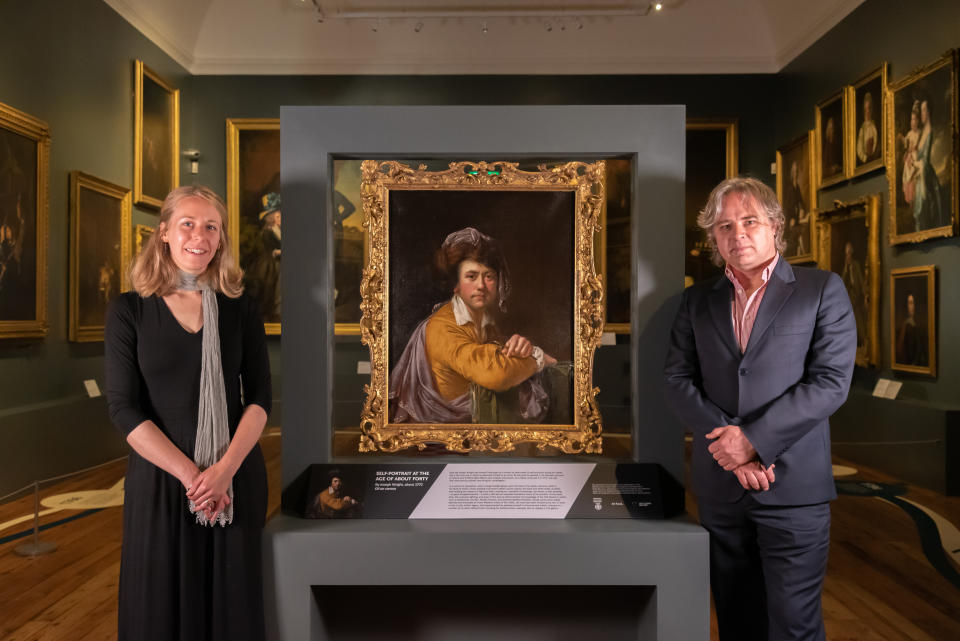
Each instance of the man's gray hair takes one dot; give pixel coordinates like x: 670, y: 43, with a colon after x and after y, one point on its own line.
x: 764, y: 199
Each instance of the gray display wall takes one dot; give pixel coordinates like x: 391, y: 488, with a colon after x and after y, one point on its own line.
x: 312, y: 136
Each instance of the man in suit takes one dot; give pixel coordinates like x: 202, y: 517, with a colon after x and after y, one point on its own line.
x: 758, y: 361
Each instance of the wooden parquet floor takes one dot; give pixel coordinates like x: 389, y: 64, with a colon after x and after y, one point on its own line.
x: 880, y: 585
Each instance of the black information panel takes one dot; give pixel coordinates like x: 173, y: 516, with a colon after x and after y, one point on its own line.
x: 486, y: 491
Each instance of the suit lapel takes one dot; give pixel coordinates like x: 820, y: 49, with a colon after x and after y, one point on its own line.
x: 779, y: 289
x: 722, y: 315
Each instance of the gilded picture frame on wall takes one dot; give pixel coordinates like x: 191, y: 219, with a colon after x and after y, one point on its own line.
x: 831, y: 154
x: 850, y: 246
x: 913, y: 320
x: 481, y: 323
x: 99, y: 252
x: 141, y: 234
x: 866, y: 129
x: 254, y: 214
x: 24, y: 219
x: 798, y: 196
x: 156, y: 154
x: 922, y: 153
x: 712, y: 153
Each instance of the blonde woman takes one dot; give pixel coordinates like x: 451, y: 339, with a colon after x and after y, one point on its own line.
x: 188, y: 383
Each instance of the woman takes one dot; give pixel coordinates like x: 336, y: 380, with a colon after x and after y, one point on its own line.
x: 909, y: 141
x: 926, y: 202
x: 178, y: 351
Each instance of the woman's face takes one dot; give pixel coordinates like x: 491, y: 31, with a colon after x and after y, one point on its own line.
x: 193, y: 234
x: 924, y: 112
x: 914, y: 120
x: 477, y: 285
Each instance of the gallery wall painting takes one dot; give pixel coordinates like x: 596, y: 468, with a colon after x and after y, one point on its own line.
x: 798, y: 195
x: 913, y: 320
x: 481, y: 332
x: 850, y: 247
x: 254, y: 206
x: 831, y: 155
x: 24, y: 216
x: 921, y: 154
x: 712, y: 156
x: 99, y: 252
x: 156, y: 156
x: 866, y: 134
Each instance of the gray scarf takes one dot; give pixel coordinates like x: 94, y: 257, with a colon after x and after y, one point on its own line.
x: 213, y: 435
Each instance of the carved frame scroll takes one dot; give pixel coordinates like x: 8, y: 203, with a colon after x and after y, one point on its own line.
x: 380, y: 179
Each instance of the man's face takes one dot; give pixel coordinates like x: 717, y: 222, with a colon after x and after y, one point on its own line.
x: 829, y: 132
x: 335, y: 484
x: 745, y: 238
x: 476, y: 285
x: 911, y: 306
x: 868, y: 109
x: 848, y: 252
x: 795, y: 173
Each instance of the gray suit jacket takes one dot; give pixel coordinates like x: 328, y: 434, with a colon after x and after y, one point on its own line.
x: 781, y: 391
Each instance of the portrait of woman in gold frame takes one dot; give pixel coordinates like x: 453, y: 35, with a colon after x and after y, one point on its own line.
x: 156, y: 155
x: 850, y: 246
x: 24, y: 217
x: 435, y: 210
x: 921, y: 153
x: 913, y: 320
x: 866, y: 129
x: 798, y: 195
x: 99, y: 252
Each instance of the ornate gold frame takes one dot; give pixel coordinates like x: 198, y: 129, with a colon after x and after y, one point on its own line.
x: 880, y: 115
x: 890, y: 153
x: 810, y: 139
x: 141, y: 234
x: 930, y: 271
x: 587, y: 183
x: 142, y: 71
x: 867, y: 208
x: 234, y: 127
x: 38, y: 131
x: 78, y: 181
x: 818, y: 152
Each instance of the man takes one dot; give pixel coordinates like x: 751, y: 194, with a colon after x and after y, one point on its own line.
x: 331, y: 503
x: 459, y: 345
x: 798, y: 217
x: 758, y: 361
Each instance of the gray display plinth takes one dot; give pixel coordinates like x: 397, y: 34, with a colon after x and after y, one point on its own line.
x: 656, y: 571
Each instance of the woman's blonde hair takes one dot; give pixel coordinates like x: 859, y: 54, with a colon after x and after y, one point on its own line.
x: 154, y: 272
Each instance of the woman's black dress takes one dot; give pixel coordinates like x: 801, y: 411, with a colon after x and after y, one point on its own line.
x: 178, y: 579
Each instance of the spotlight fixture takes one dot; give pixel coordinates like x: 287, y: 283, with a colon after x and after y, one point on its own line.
x: 548, y: 25
x: 658, y: 6
x: 484, y: 27
x: 418, y: 27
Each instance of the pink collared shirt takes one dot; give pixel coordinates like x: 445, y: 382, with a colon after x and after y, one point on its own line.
x: 744, y: 308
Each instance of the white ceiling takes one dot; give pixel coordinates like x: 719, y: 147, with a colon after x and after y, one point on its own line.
x: 286, y: 37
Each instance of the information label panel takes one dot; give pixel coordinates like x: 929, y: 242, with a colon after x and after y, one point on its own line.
x: 488, y: 491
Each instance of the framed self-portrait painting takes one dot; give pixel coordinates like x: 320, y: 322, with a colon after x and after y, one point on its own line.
x: 850, y: 246
x: 913, y: 320
x: 99, y: 252
x: 141, y: 234
x: 712, y: 146
x: 922, y: 153
x: 831, y: 153
x: 866, y: 137
x: 798, y: 196
x: 24, y: 197
x: 481, y: 328
x: 156, y: 156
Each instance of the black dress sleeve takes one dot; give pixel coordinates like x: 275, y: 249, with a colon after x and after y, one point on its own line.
x: 255, y: 364
x: 121, y: 368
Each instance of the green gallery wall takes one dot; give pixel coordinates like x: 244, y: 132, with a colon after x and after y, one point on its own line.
x: 70, y: 63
